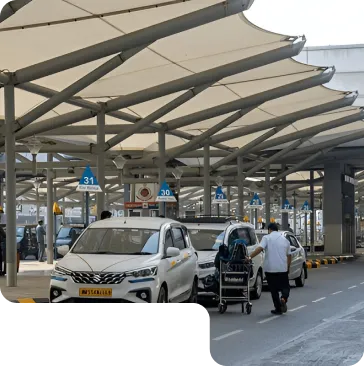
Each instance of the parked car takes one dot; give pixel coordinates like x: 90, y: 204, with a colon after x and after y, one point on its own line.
x: 208, y: 234
x: 298, y: 270
x: 67, y: 235
x: 131, y: 259
x: 27, y: 241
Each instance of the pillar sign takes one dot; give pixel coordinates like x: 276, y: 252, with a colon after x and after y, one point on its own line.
x: 256, y: 202
x: 88, y: 182
x: 165, y: 194
x: 220, y: 196
x: 286, y: 207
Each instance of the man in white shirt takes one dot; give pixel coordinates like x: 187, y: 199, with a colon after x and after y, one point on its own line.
x: 276, y: 266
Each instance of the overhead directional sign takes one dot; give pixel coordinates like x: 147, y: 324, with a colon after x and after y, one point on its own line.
x: 88, y: 182
x: 165, y: 194
x: 286, y: 207
x: 256, y: 202
x: 220, y: 196
x: 306, y: 207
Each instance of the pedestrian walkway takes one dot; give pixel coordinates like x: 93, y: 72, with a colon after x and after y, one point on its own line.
x: 35, y: 268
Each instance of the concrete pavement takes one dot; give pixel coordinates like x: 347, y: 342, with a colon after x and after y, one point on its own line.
x: 262, y: 339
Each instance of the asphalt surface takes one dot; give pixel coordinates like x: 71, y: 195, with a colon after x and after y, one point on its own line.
x: 324, y: 324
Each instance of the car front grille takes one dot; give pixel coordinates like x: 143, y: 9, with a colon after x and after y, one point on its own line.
x: 98, y: 278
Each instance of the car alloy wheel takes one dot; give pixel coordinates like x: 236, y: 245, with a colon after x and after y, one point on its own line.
x: 258, y: 287
x: 194, y: 292
x: 300, y: 281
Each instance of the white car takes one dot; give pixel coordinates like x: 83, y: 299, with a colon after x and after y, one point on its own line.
x: 133, y: 259
x: 298, y: 270
x: 207, y: 237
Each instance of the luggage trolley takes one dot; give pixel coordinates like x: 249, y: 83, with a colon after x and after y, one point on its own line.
x: 234, y: 285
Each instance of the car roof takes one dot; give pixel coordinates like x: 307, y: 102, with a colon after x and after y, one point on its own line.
x: 212, y: 226
x: 152, y: 223
x: 206, y: 226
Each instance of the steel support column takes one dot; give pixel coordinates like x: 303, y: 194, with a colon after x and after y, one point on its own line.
x: 206, y: 181
x: 198, y: 141
x: 252, y: 100
x: 312, y: 213
x: 131, y: 40
x: 145, y: 122
x: 274, y: 157
x: 76, y: 87
x: 247, y: 148
x: 50, y: 228
x: 240, y: 168
x: 11, y: 247
x: 298, y: 166
x: 284, y: 197
x: 286, y: 119
x: 162, y: 167
x: 100, y: 196
x: 267, y: 195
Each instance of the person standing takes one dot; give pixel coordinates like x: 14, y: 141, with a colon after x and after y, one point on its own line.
x: 105, y: 215
x: 290, y: 229
x: 276, y: 266
x: 40, y: 232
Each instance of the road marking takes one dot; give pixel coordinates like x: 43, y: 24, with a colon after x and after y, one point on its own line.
x: 228, y: 335
x: 335, y: 293
x: 268, y: 319
x: 300, y: 307
x: 343, y: 263
x: 324, y: 267
x: 362, y: 283
x: 351, y: 287
x: 322, y: 298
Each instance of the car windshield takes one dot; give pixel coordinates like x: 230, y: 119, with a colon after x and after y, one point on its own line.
x: 20, y: 232
x: 64, y: 233
x: 205, y: 240
x: 117, y: 241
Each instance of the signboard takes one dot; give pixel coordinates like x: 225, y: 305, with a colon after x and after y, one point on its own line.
x: 144, y: 192
x: 88, y: 182
x: 220, y: 196
x: 256, y: 202
x: 305, y: 207
x: 165, y: 194
x: 286, y: 207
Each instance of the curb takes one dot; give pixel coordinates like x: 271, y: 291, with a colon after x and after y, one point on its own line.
x: 316, y: 263
x: 30, y: 301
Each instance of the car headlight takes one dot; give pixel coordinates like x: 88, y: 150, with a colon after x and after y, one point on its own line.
x: 61, y: 271
x: 143, y: 272
x: 207, y: 265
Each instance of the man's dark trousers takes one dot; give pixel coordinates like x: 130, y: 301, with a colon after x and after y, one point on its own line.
x: 278, y: 282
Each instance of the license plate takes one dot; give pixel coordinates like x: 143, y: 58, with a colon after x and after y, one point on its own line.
x: 95, y: 292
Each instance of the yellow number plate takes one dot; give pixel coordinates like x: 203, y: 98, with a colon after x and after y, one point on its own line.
x: 95, y: 292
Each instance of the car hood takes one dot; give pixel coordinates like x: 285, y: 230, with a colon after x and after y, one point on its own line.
x: 206, y: 256
x: 107, y: 263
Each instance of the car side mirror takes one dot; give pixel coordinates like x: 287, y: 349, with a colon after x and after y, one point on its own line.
x: 63, y: 250
x: 172, y: 252
x: 293, y: 249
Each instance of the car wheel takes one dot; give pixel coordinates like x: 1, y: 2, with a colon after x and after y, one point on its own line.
x: 256, y: 292
x: 162, y: 297
x: 194, y: 293
x: 300, y: 281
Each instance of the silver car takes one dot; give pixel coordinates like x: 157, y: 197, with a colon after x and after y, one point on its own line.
x: 298, y: 270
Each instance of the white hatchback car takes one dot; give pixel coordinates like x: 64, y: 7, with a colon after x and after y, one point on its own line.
x: 207, y: 234
x: 138, y: 260
x: 298, y: 270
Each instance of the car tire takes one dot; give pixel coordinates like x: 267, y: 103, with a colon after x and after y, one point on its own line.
x: 194, y: 293
x: 300, y: 281
x: 162, y: 297
x: 256, y: 292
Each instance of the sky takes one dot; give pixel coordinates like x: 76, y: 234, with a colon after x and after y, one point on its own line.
x: 323, y: 22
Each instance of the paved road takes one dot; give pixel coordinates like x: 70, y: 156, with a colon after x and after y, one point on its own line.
x: 324, y: 324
